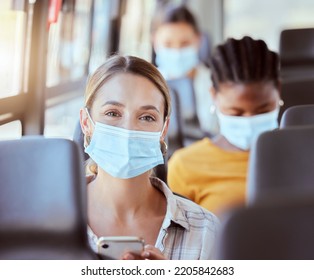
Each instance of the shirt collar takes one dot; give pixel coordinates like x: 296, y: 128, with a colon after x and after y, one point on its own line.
x: 175, y: 213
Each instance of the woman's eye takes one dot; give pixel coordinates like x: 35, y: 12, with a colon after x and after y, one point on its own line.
x: 148, y: 118
x: 112, y: 114
x: 262, y: 112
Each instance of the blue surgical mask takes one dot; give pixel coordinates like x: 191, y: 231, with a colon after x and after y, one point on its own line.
x: 242, y: 132
x: 124, y: 153
x: 176, y: 63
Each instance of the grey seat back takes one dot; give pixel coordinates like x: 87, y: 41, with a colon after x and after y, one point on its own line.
x: 78, y: 137
x: 277, y: 232
x: 185, y: 90
x: 297, y: 67
x: 281, y: 164
x: 175, y: 130
x: 296, y: 92
x: 298, y: 116
x: 42, y: 200
x: 296, y: 49
x: 205, y: 48
x: 191, y: 130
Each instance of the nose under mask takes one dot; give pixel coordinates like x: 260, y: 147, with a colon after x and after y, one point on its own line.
x: 242, y: 132
x: 124, y: 153
x: 176, y: 63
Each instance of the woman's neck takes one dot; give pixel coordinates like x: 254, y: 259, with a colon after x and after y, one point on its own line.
x: 121, y: 196
x: 125, y: 207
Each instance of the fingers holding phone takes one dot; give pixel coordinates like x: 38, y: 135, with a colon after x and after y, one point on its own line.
x: 152, y: 253
x: 149, y: 253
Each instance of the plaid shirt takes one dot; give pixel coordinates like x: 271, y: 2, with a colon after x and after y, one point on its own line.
x: 188, y: 232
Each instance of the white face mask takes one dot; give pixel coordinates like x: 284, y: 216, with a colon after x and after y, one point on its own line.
x: 242, y: 132
x: 176, y: 63
x: 124, y: 153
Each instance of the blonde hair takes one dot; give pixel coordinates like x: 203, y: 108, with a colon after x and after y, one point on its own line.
x: 118, y: 64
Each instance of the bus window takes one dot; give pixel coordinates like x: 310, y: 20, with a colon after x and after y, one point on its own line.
x: 69, y: 49
x: 100, y: 33
x: 12, y: 46
x: 11, y: 130
x: 60, y: 120
x: 136, y: 21
x: 266, y: 19
x: 69, y: 43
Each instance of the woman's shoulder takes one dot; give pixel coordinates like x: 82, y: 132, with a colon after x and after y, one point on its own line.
x: 190, y: 207
x: 187, y: 213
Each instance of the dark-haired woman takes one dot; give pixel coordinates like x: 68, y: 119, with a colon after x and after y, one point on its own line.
x: 176, y: 41
x: 212, y: 172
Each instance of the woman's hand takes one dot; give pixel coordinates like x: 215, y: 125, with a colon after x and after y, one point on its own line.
x: 150, y: 253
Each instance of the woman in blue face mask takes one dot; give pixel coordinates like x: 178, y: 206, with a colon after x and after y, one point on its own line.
x: 125, y: 120
x: 246, y: 95
x: 176, y: 41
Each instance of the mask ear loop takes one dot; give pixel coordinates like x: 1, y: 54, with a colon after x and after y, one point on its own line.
x: 88, y: 115
x: 164, y: 126
x: 87, y: 138
x: 163, y: 144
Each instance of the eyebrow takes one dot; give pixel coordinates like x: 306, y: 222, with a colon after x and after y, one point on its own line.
x: 150, y: 107
x: 259, y: 107
x: 145, y: 107
x: 263, y: 105
x: 115, y: 103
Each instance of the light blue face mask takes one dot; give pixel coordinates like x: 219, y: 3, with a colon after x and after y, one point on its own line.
x: 176, y: 63
x: 242, y: 132
x: 124, y: 153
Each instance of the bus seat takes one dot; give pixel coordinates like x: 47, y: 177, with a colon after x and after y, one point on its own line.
x: 160, y: 171
x: 175, y: 134
x: 272, y: 232
x: 42, y: 200
x: 296, y: 49
x: 191, y: 129
x: 205, y: 48
x: 298, y: 116
x: 281, y: 165
x: 78, y: 137
x: 296, y: 92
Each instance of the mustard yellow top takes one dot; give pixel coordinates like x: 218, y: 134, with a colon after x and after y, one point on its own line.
x: 210, y: 176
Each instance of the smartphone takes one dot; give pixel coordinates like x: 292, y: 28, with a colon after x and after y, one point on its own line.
x: 114, y: 247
